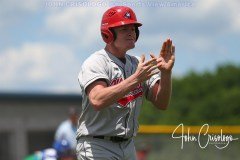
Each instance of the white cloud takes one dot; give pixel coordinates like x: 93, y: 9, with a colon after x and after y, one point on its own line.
x: 80, y: 23
x: 204, y: 21
x: 14, y: 12
x: 47, y: 66
x: 198, y: 28
x: 234, y: 6
x: 204, y: 17
x: 23, y: 5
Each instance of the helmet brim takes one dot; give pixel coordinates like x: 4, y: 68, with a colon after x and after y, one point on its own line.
x: 123, y: 23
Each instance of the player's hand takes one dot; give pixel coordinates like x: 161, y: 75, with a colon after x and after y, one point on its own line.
x: 166, y: 59
x: 145, y: 69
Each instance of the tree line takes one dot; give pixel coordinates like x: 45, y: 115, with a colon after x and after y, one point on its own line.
x: 199, y: 98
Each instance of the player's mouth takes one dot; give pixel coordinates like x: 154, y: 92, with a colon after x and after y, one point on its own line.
x: 131, y: 39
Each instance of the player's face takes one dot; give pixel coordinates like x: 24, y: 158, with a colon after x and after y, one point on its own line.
x: 126, y: 37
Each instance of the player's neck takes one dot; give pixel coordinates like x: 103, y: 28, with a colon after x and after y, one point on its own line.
x: 116, y: 51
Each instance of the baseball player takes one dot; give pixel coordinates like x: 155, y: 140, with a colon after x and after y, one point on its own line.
x: 113, y: 86
x: 68, y: 128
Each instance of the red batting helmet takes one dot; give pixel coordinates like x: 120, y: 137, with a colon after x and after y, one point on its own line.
x: 117, y: 16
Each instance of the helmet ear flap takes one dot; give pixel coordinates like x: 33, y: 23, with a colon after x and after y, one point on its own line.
x: 107, y: 36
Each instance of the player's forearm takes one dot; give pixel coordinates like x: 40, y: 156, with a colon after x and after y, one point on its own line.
x: 163, y: 96
x: 109, y: 95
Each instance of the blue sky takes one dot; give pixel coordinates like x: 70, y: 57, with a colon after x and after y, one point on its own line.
x: 43, y: 43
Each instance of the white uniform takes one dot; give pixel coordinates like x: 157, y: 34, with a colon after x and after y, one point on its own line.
x: 121, y: 118
x: 67, y: 131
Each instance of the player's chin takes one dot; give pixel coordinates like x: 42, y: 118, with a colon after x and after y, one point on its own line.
x: 130, y: 45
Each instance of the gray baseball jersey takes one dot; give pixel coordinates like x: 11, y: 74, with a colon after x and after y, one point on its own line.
x: 121, y: 118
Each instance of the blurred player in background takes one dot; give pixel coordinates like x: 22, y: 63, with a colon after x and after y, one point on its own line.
x: 68, y: 128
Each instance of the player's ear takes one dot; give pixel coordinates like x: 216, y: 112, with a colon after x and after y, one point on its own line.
x: 114, y: 34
